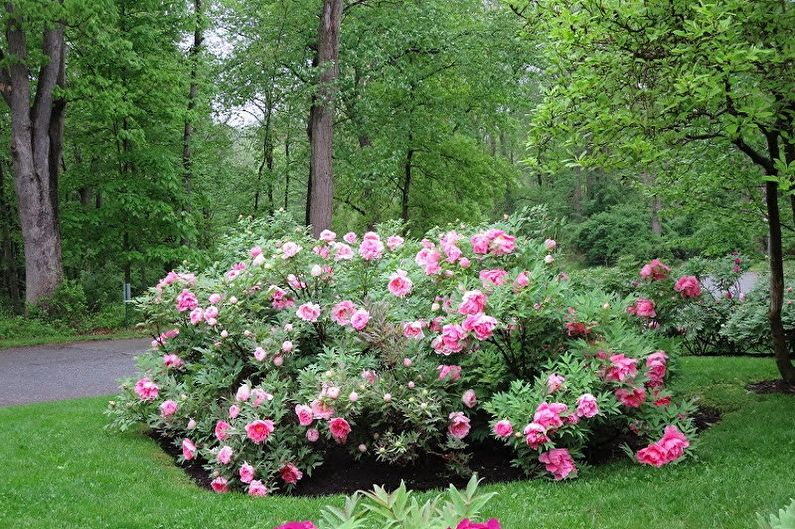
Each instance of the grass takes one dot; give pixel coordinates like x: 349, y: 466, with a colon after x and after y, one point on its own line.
x: 24, y: 341
x: 62, y: 471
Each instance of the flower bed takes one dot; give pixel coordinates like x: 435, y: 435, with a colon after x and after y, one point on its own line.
x: 395, y: 349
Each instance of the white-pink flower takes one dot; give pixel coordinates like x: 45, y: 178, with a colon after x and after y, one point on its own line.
x: 399, y: 283
x: 308, y: 312
x: 290, y: 249
x: 359, y: 319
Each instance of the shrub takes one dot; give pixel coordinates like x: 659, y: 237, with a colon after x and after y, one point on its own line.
x: 388, y: 347
x: 784, y: 520
x: 747, y: 325
x: 67, y: 305
x: 619, y: 231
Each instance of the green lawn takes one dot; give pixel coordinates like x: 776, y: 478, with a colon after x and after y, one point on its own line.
x: 62, y: 470
x: 24, y: 341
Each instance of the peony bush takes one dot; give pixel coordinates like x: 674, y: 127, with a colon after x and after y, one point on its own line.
x: 394, y: 349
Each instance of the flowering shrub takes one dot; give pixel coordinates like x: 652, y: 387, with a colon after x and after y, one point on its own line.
x: 378, y: 508
x: 388, y: 347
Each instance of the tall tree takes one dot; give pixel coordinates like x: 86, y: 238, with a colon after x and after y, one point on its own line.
x: 36, y: 135
x: 321, y: 118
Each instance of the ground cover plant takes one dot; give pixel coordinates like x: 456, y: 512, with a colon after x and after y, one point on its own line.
x: 396, y: 349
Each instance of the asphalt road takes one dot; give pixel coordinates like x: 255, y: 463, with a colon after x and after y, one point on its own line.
x: 64, y: 371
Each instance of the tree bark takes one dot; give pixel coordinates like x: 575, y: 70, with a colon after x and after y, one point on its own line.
x: 321, y: 182
x: 10, y: 273
x: 36, y: 148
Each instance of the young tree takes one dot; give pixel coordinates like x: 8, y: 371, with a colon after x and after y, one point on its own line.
x: 36, y: 132
x: 641, y: 79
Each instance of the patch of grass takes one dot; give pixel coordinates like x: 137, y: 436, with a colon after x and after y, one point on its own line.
x: 67, y: 337
x: 63, y: 471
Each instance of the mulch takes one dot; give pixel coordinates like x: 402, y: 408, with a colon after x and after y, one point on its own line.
x: 768, y: 387
x: 341, y: 473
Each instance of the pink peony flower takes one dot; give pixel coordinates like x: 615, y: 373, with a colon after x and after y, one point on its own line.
x: 305, y: 414
x: 559, y: 462
x: 548, y: 415
x: 243, y: 393
x: 371, y: 247
x: 342, y: 252
x: 246, y: 473
x: 655, y: 270
x: 220, y: 485
x: 290, y: 474
x: 452, y: 339
x: 535, y: 435
x: 188, y: 449
x: 221, y: 429
x: 464, y: 263
x: 501, y: 243
x: 688, y: 287
x: 260, y: 354
x: 522, y: 280
x: 674, y: 443
x: 621, y: 368
x: 349, y: 237
x: 631, y: 398
x: 341, y: 312
x: 469, y: 398
x: 369, y: 375
x: 146, y: 389
x: 472, y: 302
x: 259, y: 430
x: 459, y: 425
x: 168, y: 408
x: 494, y: 277
x: 587, y: 406
x: 656, y: 368
x: 653, y: 455
x: 312, y: 435
x: 644, y: 308
x: 327, y: 235
x: 480, y: 243
x: 428, y: 259
x: 493, y: 523
x: 480, y: 325
x: 503, y: 428
x: 413, y: 329
x: 290, y: 249
x: 257, y: 488
x: 450, y: 372
x: 196, y: 316
x: 186, y: 301
x: 399, y: 284
x: 393, y: 242
x: 224, y: 455
x: 550, y: 245
x: 172, y: 361
x: 297, y: 525
x: 234, y: 411
x: 359, y: 319
x: 214, y: 298
x: 339, y: 429
x: 554, y: 381
x: 308, y: 312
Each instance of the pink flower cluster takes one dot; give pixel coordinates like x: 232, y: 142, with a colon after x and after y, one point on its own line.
x: 688, y: 287
x: 669, y: 448
x: 655, y: 270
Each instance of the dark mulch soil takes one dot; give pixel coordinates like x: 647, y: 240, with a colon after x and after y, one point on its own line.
x: 341, y: 473
x: 771, y: 386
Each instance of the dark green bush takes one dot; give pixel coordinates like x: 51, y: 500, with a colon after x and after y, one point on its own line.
x: 748, y: 325
x: 620, y: 231
x: 67, y: 306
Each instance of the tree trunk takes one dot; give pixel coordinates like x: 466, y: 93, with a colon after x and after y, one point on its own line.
x: 36, y: 147
x: 404, y: 198
x: 783, y: 360
x: 321, y: 182
x: 656, y: 223
x: 193, y: 94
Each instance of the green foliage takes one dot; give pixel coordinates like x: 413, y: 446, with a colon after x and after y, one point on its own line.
x: 785, y: 519
x: 748, y: 326
x: 67, y: 305
x: 620, y: 231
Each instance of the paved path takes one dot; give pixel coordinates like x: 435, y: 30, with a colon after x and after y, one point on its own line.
x: 746, y: 283
x: 64, y: 371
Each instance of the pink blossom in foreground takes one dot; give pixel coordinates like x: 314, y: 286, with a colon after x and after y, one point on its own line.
x: 224, y: 455
x: 341, y: 312
x: 290, y: 474
x: 188, y: 449
x: 535, y: 435
x: 631, y: 398
x: 554, y: 381
x: 221, y: 429
x: 290, y: 249
x: 466, y: 523
x: 655, y: 270
x: 146, y: 389
x: 393, y: 242
x: 688, y: 287
x: 469, y: 398
x: 548, y: 415
x: 587, y: 406
x: 246, y: 473
x: 480, y: 325
x: 413, y: 329
x: 472, y: 302
x: 339, y: 429
x: 452, y: 373
x: 308, y: 312
x: 305, y: 414
x: 186, y: 300
x: 503, y: 428
x: 669, y: 448
x: 297, y: 525
x: 257, y: 488
x: 172, y: 361
x: 621, y: 368
x: 259, y: 430
x: 168, y: 408
x: 220, y: 485
x: 559, y: 462
x: 459, y: 425
x: 359, y: 319
x: 399, y: 284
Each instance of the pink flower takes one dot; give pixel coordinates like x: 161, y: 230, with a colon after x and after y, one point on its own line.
x: 196, y: 316
x: 220, y: 485
x: 501, y: 242
x: 494, y: 277
x: 290, y: 249
x: 371, y: 247
x: 290, y: 474
x: 503, y: 428
x: 469, y: 398
x: 587, y: 406
x: 559, y: 462
x: 631, y: 398
x: 327, y: 235
x: 688, y: 287
x: 413, y: 329
x: 349, y: 237
x: 168, y: 408
x: 312, y: 435
x: 255, y: 251
x: 243, y: 393
x: 464, y: 262
x: 554, y: 381
x: 235, y: 271
x: 359, y: 319
x: 522, y: 280
x: 342, y: 252
x: 246, y: 473
x: 210, y: 314
x: 340, y: 429
x: 342, y: 312
x: 472, y: 302
x: 459, y: 425
x: 186, y: 301
x: 260, y: 396
x: 643, y: 307
x: 172, y: 361
x: 621, y: 368
x: 548, y: 415
x: 297, y: 525
x: 214, y: 298
x: 452, y: 339
x: 259, y: 354
x: 550, y: 245
x: 369, y: 375
x: 674, y: 443
x: 480, y: 325
x: 428, y: 259
x: 451, y: 372
x: 308, y: 312
x: 259, y: 430
x: 656, y: 368
x: 305, y: 414
x: 221, y: 429
x: 653, y: 455
x: 188, y: 449
x: 257, y: 488
x: 394, y: 242
x: 234, y: 411
x: 399, y: 284
x: 655, y: 270
x: 480, y: 243
x: 225, y: 455
x: 493, y: 523
x: 535, y: 435
x: 146, y: 389
x: 321, y: 410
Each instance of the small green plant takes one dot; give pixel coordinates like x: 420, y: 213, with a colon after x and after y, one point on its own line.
x: 784, y: 520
